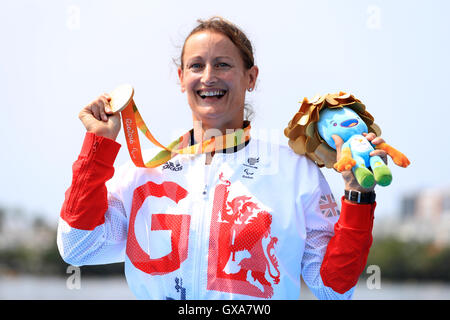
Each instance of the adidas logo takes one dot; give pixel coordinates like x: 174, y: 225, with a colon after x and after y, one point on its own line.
x: 173, y: 166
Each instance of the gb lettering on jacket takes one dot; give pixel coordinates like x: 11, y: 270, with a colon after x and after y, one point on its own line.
x: 240, y: 245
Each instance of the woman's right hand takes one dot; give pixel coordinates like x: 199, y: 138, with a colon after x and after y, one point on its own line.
x: 98, y: 118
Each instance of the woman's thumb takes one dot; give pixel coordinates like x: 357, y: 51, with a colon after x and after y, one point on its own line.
x: 338, y: 142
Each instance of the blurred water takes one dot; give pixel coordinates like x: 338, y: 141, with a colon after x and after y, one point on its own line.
x: 55, y: 288
x: 116, y: 288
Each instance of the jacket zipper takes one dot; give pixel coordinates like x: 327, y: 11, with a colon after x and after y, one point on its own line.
x: 201, y: 226
x: 81, y: 177
x: 206, y: 180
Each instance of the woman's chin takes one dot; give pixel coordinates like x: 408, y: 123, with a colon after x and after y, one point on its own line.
x: 215, y: 115
x: 213, y: 119
x: 210, y: 112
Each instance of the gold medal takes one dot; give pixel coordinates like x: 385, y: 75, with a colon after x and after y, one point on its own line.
x: 121, y: 97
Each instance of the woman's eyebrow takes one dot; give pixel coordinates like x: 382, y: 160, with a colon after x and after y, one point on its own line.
x: 223, y: 57
x: 197, y: 58
x: 194, y: 58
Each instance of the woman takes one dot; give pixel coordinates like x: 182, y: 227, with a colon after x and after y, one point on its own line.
x: 219, y: 226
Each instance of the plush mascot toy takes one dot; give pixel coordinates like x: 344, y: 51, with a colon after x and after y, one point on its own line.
x: 310, y: 133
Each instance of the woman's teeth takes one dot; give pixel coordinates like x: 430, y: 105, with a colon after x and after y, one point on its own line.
x: 217, y: 93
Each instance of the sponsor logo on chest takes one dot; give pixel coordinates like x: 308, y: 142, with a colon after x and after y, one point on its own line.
x: 250, y: 167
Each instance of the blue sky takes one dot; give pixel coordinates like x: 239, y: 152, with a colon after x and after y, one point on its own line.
x: 59, y: 55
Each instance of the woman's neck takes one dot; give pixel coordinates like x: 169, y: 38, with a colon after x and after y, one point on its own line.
x: 203, y: 132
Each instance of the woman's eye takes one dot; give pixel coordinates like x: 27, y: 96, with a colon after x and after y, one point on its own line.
x: 222, y: 65
x: 196, y: 66
x: 200, y: 66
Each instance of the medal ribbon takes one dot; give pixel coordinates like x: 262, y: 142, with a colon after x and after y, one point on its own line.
x: 132, y: 120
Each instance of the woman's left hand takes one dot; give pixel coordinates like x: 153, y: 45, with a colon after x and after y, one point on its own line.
x: 349, y: 178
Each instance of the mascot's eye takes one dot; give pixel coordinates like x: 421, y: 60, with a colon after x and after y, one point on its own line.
x: 335, y: 124
x: 349, y: 123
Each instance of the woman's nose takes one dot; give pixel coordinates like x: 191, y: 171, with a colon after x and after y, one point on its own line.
x: 209, y: 75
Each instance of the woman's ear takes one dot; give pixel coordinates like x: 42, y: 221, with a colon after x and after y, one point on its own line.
x: 180, y: 76
x: 253, y: 75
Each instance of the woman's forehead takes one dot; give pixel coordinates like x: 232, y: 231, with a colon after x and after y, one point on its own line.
x: 208, y: 43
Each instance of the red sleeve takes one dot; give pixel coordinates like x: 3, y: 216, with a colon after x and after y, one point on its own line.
x: 86, y: 200
x: 347, y: 251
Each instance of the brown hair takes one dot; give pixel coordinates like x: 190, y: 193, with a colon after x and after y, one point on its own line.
x: 220, y: 25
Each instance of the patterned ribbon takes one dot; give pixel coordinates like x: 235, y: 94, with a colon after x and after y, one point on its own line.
x: 132, y: 120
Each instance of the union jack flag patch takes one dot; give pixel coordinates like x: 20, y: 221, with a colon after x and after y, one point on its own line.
x: 328, y: 206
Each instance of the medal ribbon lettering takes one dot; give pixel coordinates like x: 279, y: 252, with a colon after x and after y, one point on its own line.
x: 131, y: 120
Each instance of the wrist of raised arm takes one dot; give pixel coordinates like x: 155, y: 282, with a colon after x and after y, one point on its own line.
x: 100, y: 148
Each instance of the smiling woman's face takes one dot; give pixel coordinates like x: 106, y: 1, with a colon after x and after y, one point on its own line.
x: 215, y: 80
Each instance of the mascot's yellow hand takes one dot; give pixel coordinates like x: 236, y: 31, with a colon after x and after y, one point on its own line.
x: 344, y: 157
x: 345, y: 163
x: 399, y: 158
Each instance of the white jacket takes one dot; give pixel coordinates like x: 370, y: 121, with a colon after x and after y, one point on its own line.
x: 247, y: 226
